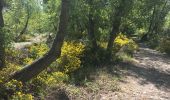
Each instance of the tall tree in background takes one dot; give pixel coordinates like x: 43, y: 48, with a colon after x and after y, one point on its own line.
x: 159, y: 10
x: 158, y: 17
x: 26, y: 23
x: 38, y: 66
x: 120, y: 11
x: 2, y: 44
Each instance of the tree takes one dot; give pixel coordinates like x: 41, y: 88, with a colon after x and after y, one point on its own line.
x: 26, y: 23
x: 121, y: 10
x: 159, y: 9
x: 91, y: 25
x: 2, y: 44
x: 39, y: 65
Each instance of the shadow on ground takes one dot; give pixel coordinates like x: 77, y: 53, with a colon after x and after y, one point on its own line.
x: 149, y: 75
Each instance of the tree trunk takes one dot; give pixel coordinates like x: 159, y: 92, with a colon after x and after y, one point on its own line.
x: 150, y: 30
x: 115, y: 27
x: 91, y: 30
x: 25, y: 26
x: 38, y: 66
x: 120, y: 11
x: 2, y: 40
x: 113, y: 34
x: 91, y: 26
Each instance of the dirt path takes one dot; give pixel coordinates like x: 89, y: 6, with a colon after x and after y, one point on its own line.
x: 148, y: 78
x: 145, y: 78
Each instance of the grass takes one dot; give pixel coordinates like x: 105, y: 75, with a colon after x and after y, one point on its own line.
x: 102, y: 81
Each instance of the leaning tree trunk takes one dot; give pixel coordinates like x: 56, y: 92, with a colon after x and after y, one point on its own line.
x: 2, y: 43
x: 38, y: 66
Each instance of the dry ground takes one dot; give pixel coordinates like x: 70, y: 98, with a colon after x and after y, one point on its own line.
x: 147, y: 78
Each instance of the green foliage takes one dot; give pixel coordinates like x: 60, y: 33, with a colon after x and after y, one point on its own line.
x: 164, y: 45
x: 78, y: 60
x: 94, y: 57
x: 154, y: 41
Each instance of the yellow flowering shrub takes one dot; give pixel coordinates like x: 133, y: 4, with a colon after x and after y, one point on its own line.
x: 6, y: 72
x: 14, y: 85
x: 46, y: 80
x: 121, y: 40
x: 35, y: 51
x: 22, y: 96
x: 70, y: 57
x: 127, y: 44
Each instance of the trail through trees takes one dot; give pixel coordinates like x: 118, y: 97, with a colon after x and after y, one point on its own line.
x: 148, y: 78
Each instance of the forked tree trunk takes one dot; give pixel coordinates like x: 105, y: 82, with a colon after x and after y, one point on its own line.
x: 39, y: 65
x: 2, y: 41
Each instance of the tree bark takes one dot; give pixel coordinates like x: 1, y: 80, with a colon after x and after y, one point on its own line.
x: 120, y: 11
x: 115, y: 26
x: 91, y: 30
x: 2, y: 40
x: 39, y: 65
x: 91, y: 26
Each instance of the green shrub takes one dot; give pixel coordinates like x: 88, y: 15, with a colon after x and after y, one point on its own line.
x: 164, y: 45
x: 94, y: 57
x: 153, y: 41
